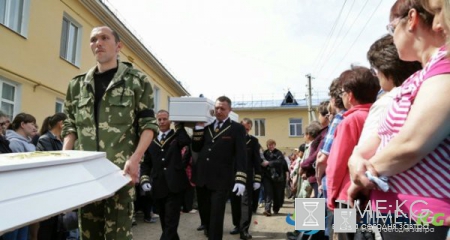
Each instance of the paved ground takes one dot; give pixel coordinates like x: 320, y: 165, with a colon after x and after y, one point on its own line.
x: 274, y: 227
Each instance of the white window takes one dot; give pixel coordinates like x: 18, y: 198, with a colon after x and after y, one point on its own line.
x: 70, y: 40
x: 8, y: 98
x: 14, y: 14
x: 156, y: 93
x: 59, y: 105
x: 260, y: 127
x: 295, y: 127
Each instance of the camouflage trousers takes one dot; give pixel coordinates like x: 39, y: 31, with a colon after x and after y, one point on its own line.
x: 109, y: 219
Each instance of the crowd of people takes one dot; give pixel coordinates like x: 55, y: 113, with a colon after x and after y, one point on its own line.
x: 382, y: 137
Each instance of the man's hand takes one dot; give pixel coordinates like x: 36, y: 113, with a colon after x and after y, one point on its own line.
x: 132, y: 168
x: 256, y: 185
x: 146, y: 187
x: 265, y: 163
x: 240, y: 188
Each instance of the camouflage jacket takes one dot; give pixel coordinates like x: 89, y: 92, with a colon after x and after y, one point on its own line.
x: 125, y: 108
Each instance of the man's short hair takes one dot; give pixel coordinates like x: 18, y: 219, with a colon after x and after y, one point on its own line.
x: 113, y: 32
x: 248, y: 121
x: 224, y: 99
x: 116, y: 35
x: 163, y: 111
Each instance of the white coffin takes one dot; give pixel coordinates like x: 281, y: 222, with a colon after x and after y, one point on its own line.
x: 194, y: 109
x: 35, y: 186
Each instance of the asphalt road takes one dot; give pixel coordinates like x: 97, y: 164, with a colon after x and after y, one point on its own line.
x: 273, y: 227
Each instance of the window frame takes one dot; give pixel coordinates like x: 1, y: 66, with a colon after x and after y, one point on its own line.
x: 296, y: 128
x: 59, y: 102
x: 257, y: 127
x: 15, y: 102
x: 156, y: 98
x: 22, y: 28
x: 67, y: 44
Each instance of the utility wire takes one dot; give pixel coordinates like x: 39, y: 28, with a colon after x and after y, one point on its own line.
x: 350, y: 47
x: 317, y: 60
x: 342, y: 39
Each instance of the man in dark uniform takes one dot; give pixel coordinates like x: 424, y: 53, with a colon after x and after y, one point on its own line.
x: 164, y: 172
x: 221, y: 147
x: 241, y: 207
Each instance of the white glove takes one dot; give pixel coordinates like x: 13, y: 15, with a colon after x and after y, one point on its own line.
x: 240, y: 188
x: 146, y: 187
x: 256, y: 185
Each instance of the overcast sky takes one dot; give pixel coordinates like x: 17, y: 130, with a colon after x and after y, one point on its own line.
x: 256, y: 49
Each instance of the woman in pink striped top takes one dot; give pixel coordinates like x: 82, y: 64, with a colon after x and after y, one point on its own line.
x: 413, y: 144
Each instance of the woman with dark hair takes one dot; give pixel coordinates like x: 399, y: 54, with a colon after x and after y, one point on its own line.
x: 391, y: 72
x: 22, y: 129
x: 50, y: 139
x: 413, y: 144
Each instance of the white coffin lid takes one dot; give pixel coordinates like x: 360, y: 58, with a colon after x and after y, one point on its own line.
x: 35, y: 186
x: 194, y: 109
x: 191, y: 109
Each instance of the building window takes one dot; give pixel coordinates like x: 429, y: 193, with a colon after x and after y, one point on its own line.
x: 59, y: 105
x: 295, y: 127
x: 8, y: 98
x: 260, y: 127
x: 70, y: 40
x: 156, y: 94
x: 14, y: 14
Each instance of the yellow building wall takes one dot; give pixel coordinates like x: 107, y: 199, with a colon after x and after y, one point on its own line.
x: 277, y: 125
x: 36, y: 58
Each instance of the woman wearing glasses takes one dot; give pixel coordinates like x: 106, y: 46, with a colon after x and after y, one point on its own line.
x: 413, y: 144
x: 413, y: 148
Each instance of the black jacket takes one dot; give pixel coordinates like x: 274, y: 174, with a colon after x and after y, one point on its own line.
x: 48, y: 142
x: 4, y: 145
x: 254, y: 159
x: 163, y: 166
x: 219, y: 154
x: 276, y: 161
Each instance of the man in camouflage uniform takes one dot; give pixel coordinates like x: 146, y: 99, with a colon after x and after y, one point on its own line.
x: 108, y: 108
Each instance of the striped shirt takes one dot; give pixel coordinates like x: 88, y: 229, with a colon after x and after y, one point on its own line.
x: 428, y: 180
x: 434, y: 168
x: 328, y: 141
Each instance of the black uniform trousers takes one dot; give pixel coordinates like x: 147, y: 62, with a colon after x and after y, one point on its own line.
x: 274, y: 192
x: 188, y: 199
x: 242, y: 208
x: 169, y: 215
x: 211, y: 205
x: 255, y: 199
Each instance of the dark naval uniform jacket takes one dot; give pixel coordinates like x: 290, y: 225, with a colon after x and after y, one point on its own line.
x: 253, y: 168
x: 163, y: 167
x: 219, y: 153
